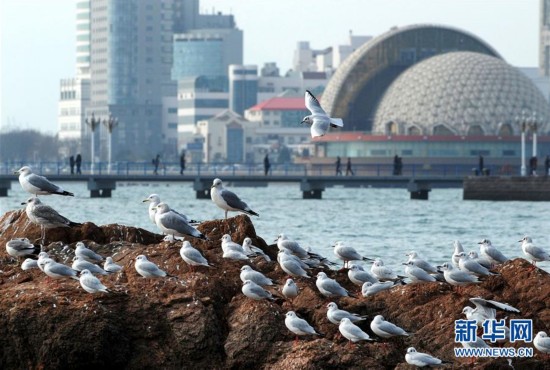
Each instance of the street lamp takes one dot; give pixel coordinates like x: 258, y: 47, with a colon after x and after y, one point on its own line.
x: 93, y: 123
x: 533, y: 126
x: 111, y: 123
x: 522, y: 121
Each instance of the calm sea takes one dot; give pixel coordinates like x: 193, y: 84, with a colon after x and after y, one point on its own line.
x: 383, y: 223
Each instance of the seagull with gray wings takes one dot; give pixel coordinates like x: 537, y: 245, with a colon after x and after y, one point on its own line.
x: 172, y: 223
x: 20, y: 247
x: 319, y: 120
x: 38, y: 185
x: 227, y: 200
x: 45, y: 216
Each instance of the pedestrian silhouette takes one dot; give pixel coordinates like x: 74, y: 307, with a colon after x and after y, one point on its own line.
x: 533, y: 165
x: 71, y: 164
x: 78, y: 163
x: 546, y: 165
x: 267, y: 165
x: 338, y: 166
x: 156, y: 162
x: 182, y: 162
x: 480, y: 171
x: 348, y: 168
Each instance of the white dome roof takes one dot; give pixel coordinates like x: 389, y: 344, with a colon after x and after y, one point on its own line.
x: 460, y: 93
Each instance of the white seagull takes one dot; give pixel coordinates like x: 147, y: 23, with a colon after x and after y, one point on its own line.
x: 297, y: 325
x: 154, y: 200
x: 386, y: 329
x: 335, y: 314
x: 86, y: 253
x: 192, y: 256
x: 486, y: 309
x: 254, y: 291
x: 45, y: 216
x: 457, y: 277
x: 90, y: 283
x: 347, y: 253
x: 491, y: 253
x: 330, y: 287
x: 173, y: 223
x: 227, y: 200
x: 352, y: 332
x: 38, y: 185
x: 319, y: 120
x: 28, y: 264
x: 111, y: 266
x: 534, y: 253
x: 148, y: 269
x: 20, y: 247
x: 542, y: 342
x: 290, y: 290
x: 248, y: 273
x: 420, y: 359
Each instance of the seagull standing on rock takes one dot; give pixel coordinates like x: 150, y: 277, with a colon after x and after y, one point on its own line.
x: 534, y: 253
x: 227, y: 200
x: 86, y: 253
x: 173, y: 223
x: 90, y: 283
x: 148, y: 269
x: 38, y: 185
x: 420, y: 359
x: 319, y: 120
x: 45, y: 216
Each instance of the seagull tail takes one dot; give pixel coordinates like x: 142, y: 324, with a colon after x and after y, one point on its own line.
x: 250, y: 212
x: 336, y: 122
x: 66, y: 193
x: 71, y: 224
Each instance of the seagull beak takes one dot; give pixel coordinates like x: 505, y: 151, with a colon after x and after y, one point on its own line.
x: 23, y: 203
x: 213, y: 186
x: 145, y: 200
x: 404, y: 263
x: 16, y: 172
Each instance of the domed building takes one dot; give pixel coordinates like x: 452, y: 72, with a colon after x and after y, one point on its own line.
x: 459, y: 93
x: 433, y: 95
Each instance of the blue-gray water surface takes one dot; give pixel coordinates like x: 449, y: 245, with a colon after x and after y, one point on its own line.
x: 383, y: 223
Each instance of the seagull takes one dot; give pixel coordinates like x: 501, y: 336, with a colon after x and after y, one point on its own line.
x: 534, y: 253
x: 90, y: 283
x: 318, y: 119
x: 154, y: 201
x: 80, y: 264
x: 57, y: 270
x: 482, y: 261
x: 420, y: 359
x: 247, y: 273
x: 173, y: 223
x: 42, y: 257
x: 256, y: 292
x: 456, y: 276
x: 470, y: 266
x: 347, y: 253
x: 28, y: 264
x: 370, y: 289
x: 420, y: 263
x: 381, y: 272
x: 335, y: 315
x: 297, y: 325
x: 45, y: 216
x: 458, y: 249
x: 148, y: 269
x: 192, y: 256
x: 416, y: 274
x: 227, y: 200
x: 290, y: 290
x: 330, y: 287
x: 352, y: 332
x: 290, y: 265
x: 491, y: 253
x: 38, y: 185
x: 250, y: 249
x: 231, y: 249
x: 542, y: 342
x: 358, y: 276
x: 86, y: 253
x: 20, y: 247
x: 386, y: 329
x: 110, y: 266
x: 283, y: 242
x: 486, y: 310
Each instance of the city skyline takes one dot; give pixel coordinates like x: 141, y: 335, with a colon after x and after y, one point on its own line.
x: 37, y: 51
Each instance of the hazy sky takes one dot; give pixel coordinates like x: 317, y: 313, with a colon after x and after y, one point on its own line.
x: 37, y: 38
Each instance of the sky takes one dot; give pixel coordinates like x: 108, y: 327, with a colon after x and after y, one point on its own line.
x: 37, y: 38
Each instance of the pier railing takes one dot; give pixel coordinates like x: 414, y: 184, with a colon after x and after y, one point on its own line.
x: 255, y: 169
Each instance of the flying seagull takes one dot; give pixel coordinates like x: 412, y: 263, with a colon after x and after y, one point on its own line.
x: 318, y: 119
x: 38, y: 185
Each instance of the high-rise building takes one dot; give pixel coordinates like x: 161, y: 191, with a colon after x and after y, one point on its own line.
x: 83, y: 38
x: 544, y: 35
x: 243, y: 87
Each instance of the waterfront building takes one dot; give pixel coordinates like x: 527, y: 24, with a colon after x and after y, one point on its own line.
x: 243, y: 87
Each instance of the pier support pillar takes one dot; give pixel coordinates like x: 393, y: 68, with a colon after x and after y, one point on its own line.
x: 5, y: 185
x: 312, y: 190
x: 202, y: 188
x: 101, y: 188
x: 419, y: 189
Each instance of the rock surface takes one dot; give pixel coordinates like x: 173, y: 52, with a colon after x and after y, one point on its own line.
x: 200, y: 319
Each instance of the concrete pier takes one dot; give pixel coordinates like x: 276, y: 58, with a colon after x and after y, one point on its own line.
x: 528, y: 188
x: 419, y: 189
x: 5, y: 185
x: 101, y: 188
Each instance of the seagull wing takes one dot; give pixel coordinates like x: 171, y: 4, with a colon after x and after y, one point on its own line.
x: 313, y: 104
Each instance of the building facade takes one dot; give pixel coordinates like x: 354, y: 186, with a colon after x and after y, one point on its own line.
x: 243, y: 87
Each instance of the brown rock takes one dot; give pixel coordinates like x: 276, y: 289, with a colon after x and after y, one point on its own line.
x: 201, y: 319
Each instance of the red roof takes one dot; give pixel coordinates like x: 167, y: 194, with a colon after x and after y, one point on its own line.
x: 277, y: 103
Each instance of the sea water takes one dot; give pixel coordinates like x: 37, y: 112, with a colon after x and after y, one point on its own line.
x: 382, y: 223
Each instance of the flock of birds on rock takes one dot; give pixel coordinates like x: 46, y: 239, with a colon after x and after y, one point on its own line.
x: 296, y: 261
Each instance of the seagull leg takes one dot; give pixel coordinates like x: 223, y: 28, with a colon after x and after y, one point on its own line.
x: 226, y: 215
x: 43, y: 235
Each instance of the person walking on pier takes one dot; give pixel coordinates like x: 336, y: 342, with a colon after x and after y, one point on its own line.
x: 546, y: 165
x: 267, y: 165
x: 78, y: 163
x: 71, y: 164
x: 348, y: 168
x: 156, y: 162
x: 338, y: 166
x: 182, y: 162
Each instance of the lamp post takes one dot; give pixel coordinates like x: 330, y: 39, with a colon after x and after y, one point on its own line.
x: 93, y: 123
x: 533, y: 126
x: 111, y: 123
x: 522, y: 121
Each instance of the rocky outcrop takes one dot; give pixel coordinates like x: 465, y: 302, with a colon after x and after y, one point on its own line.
x: 200, y: 319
